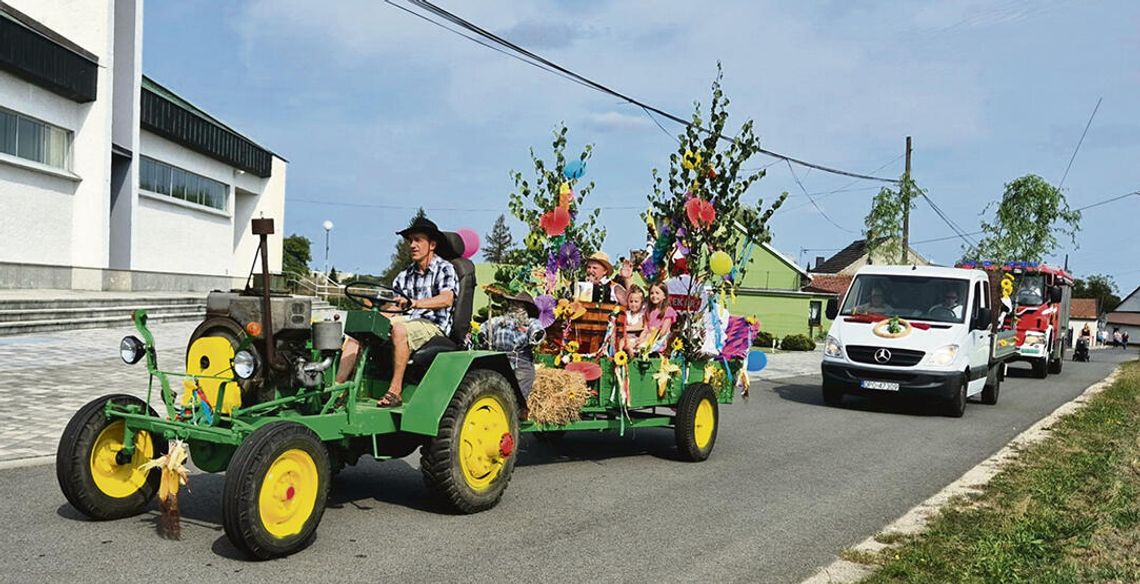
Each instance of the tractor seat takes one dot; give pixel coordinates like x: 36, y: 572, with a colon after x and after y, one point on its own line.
x: 461, y: 310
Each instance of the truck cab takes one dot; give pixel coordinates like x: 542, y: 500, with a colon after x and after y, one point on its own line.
x: 917, y: 330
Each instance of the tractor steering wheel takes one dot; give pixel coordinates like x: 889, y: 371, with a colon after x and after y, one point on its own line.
x: 370, y: 294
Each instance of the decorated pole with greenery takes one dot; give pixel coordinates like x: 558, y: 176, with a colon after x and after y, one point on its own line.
x: 883, y: 225
x: 1030, y: 215
x: 561, y: 236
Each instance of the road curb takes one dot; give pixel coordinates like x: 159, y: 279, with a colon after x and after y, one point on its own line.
x: 917, y: 518
x: 23, y: 462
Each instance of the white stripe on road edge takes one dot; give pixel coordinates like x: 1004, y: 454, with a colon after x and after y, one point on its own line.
x: 22, y: 462
x: 916, y: 520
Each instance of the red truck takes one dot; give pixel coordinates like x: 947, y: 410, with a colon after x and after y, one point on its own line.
x: 1034, y: 303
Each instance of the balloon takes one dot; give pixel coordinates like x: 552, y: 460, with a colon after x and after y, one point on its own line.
x: 757, y: 361
x: 574, y: 169
x: 720, y: 263
x: 470, y: 241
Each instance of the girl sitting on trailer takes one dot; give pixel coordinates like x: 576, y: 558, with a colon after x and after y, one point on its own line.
x: 659, y: 319
x: 634, y: 318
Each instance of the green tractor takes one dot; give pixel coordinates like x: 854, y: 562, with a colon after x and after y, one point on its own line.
x: 259, y: 400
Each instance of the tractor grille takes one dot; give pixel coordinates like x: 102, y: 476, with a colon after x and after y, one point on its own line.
x: 898, y: 357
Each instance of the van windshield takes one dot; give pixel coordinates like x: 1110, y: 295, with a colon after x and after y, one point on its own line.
x: 914, y: 297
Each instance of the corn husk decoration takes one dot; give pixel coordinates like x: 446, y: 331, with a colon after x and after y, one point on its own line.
x: 664, y: 375
x: 174, y: 474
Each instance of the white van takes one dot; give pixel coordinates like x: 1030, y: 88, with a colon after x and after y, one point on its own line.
x: 919, y: 330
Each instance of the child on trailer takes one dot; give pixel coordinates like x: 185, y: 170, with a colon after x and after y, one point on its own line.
x: 634, y: 318
x: 659, y: 319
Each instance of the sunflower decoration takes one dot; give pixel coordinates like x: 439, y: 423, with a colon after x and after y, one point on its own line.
x: 572, y: 346
x: 621, y: 359
x: 575, y: 357
x: 678, y: 345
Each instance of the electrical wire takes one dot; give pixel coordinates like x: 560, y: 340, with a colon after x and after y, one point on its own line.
x: 582, y: 80
x: 958, y: 231
x: 1107, y: 201
x: 814, y: 204
x: 1079, y: 142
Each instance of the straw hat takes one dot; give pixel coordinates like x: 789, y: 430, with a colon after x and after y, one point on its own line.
x: 602, y: 258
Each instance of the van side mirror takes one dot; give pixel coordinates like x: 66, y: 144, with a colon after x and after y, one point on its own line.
x: 983, y: 319
x: 1055, y: 294
x: 832, y: 308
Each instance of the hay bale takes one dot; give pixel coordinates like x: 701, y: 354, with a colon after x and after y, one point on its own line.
x: 557, y: 396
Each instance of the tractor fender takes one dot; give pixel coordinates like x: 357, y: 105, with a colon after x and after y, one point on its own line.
x: 425, y: 407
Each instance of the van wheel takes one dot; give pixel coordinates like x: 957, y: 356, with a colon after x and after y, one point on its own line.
x: 956, y: 406
x: 992, y: 389
x: 832, y: 395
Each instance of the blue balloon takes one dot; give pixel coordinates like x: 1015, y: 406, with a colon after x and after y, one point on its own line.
x: 757, y: 360
x: 574, y: 169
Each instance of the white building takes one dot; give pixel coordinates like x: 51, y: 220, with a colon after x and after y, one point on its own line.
x: 108, y: 180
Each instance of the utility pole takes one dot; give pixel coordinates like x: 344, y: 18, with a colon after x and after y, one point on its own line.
x: 904, y: 192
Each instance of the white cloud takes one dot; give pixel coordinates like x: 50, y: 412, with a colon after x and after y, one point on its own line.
x: 616, y: 122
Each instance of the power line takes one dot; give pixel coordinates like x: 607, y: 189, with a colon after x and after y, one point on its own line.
x: 1107, y: 201
x: 582, y: 80
x: 1079, y: 142
x: 814, y: 204
x: 958, y: 231
x: 948, y: 237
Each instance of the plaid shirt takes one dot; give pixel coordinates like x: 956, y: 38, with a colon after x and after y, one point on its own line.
x: 510, y: 334
x: 417, y: 285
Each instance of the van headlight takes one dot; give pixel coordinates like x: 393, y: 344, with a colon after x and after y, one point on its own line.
x: 832, y: 348
x: 131, y: 349
x: 942, y: 356
x: 244, y: 364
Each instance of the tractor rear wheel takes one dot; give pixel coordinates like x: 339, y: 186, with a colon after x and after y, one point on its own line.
x: 695, y: 425
x: 275, y: 491
x: 91, y: 473
x: 469, y: 462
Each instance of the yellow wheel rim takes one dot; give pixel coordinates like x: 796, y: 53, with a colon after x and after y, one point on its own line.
x: 703, y: 424
x: 211, y: 356
x: 480, y: 438
x: 114, y: 479
x: 288, y: 493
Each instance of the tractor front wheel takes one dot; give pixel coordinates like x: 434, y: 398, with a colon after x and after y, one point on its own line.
x: 469, y: 462
x: 96, y: 479
x: 696, y: 422
x: 275, y: 491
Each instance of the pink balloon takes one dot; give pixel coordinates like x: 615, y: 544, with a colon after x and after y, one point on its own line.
x: 470, y: 241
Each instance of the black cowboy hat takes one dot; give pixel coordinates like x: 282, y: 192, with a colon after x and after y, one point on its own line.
x: 445, y: 244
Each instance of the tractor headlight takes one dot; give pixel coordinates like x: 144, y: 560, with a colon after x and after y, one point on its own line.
x: 832, y: 348
x: 245, y: 364
x: 131, y: 349
x: 942, y: 356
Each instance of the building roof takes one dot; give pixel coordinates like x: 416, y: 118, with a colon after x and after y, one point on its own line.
x: 1084, y: 308
x: 1130, y: 303
x: 785, y: 259
x: 1125, y: 318
x: 153, y: 86
x: 829, y: 283
x: 845, y: 257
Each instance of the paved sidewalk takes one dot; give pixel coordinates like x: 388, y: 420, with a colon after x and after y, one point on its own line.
x: 784, y: 364
x: 45, y: 378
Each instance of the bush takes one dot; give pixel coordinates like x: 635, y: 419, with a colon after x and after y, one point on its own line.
x: 797, y: 343
x: 764, y: 339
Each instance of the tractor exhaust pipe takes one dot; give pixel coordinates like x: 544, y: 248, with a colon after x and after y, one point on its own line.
x: 263, y: 228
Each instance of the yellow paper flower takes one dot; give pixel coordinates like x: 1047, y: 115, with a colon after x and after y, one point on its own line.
x: 474, y: 328
x: 691, y: 160
x: 678, y: 344
x: 575, y: 357
x: 752, y: 320
x: 621, y: 359
x: 572, y: 346
x: 664, y: 375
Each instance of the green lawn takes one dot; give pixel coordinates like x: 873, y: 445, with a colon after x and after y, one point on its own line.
x: 1068, y: 510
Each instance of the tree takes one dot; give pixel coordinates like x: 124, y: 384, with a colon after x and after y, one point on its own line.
x: 296, y: 255
x: 403, y: 254
x: 333, y: 275
x: 884, y: 222
x: 1099, y: 286
x: 1029, y: 216
x: 499, y: 241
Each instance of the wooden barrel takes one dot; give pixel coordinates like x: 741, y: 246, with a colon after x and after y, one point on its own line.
x: 589, y: 330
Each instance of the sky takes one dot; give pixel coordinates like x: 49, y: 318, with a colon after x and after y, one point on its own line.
x: 379, y: 112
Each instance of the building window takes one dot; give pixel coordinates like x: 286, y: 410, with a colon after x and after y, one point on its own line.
x: 34, y: 140
x: 164, y: 179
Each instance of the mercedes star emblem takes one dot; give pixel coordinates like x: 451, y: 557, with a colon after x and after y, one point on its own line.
x: 882, y: 355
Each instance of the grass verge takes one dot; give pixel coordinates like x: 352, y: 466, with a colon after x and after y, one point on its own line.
x: 1066, y: 510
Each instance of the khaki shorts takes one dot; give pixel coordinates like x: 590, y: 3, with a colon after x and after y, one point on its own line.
x: 419, y: 330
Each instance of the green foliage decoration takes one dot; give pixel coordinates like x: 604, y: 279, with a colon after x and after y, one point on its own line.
x: 1026, y: 223
x: 883, y: 224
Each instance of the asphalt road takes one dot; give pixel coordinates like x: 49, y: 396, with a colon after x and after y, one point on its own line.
x: 790, y: 484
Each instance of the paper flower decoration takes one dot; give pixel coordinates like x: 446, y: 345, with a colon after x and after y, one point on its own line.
x: 545, y: 304
x: 569, y: 310
x: 649, y: 269
x: 572, y: 346
x: 574, y: 169
x: 591, y: 371
x: 664, y: 375
x: 701, y: 213
x: 474, y: 328
x: 569, y: 256
x: 555, y: 222
x: 621, y: 359
x: 691, y: 160
x: 678, y: 344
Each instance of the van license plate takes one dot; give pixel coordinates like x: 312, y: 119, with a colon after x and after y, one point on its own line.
x: 880, y: 385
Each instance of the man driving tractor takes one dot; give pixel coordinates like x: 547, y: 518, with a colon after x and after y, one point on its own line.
x: 423, y: 309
